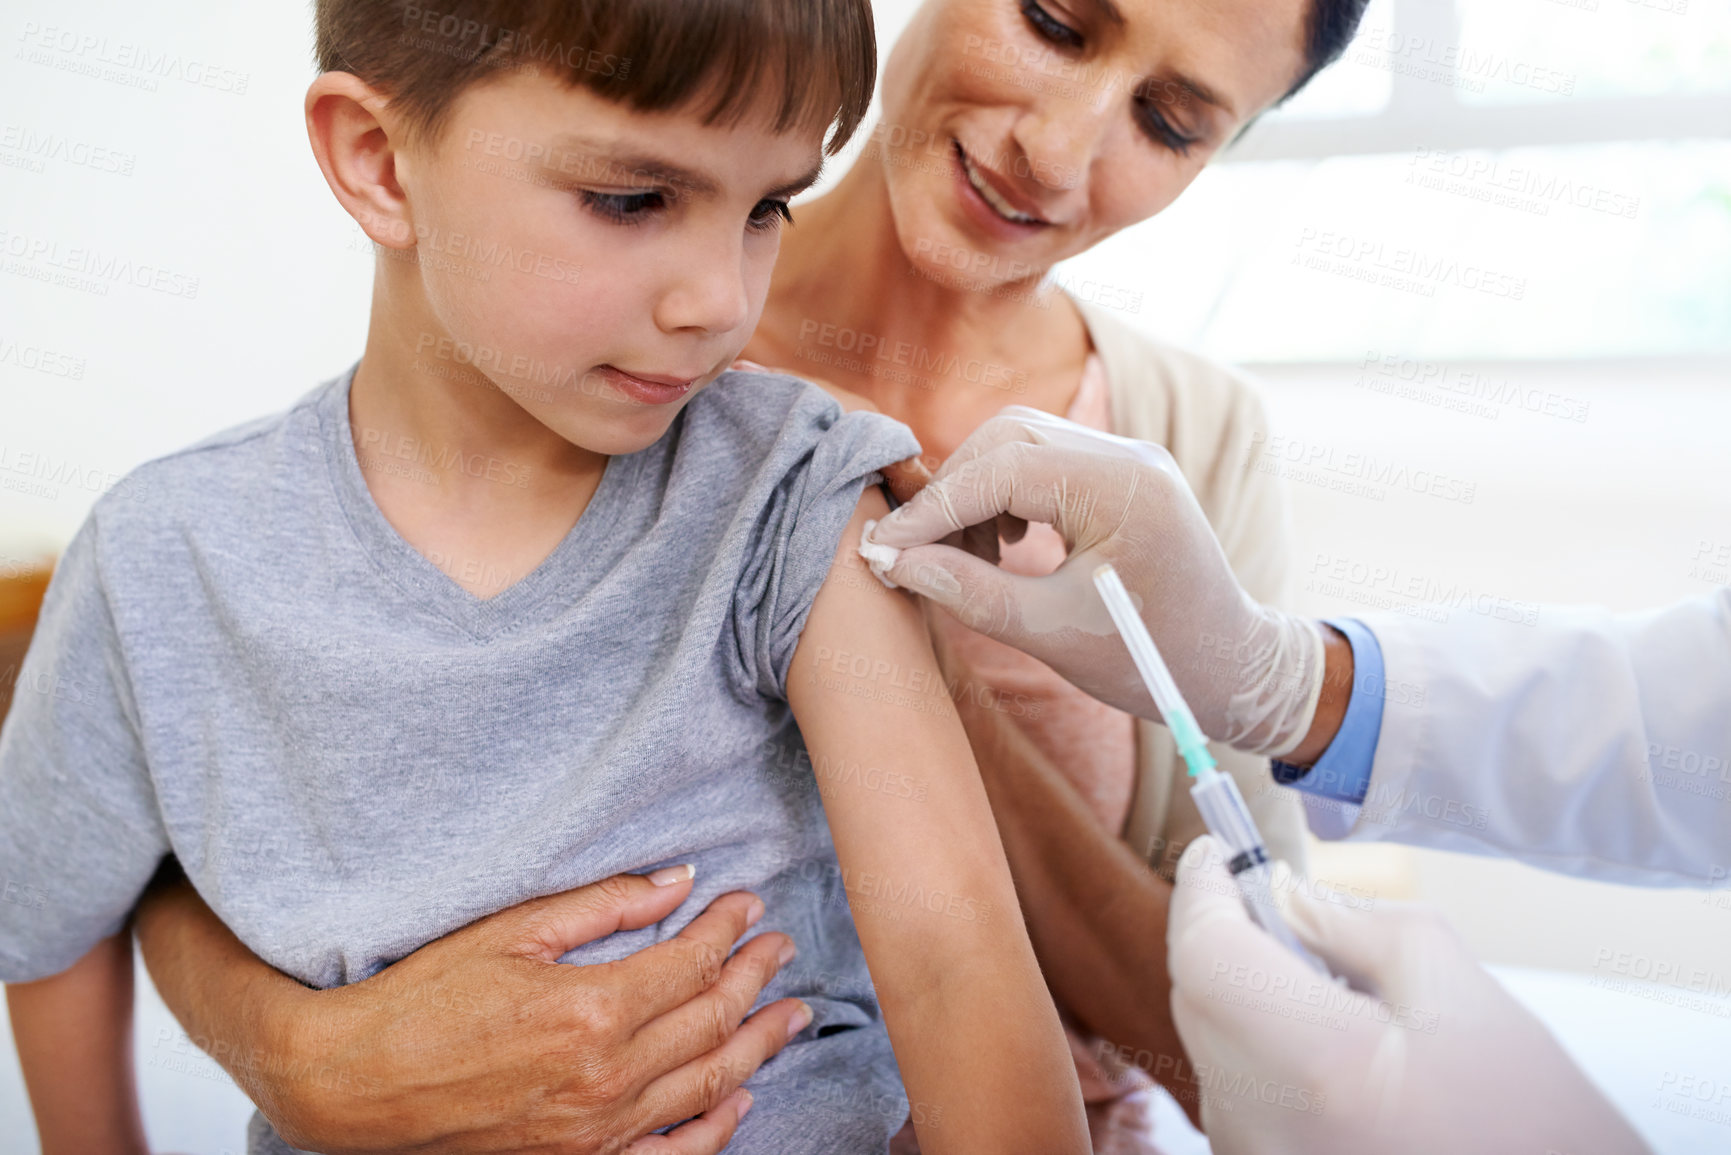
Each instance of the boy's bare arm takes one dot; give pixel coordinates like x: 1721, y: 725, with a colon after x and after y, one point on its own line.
x: 1095, y: 911
x: 981, y: 1051
x: 74, y: 1037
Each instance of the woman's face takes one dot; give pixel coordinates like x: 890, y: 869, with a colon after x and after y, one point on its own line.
x: 1017, y: 133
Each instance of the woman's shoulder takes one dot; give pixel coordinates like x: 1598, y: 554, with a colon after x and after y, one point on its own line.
x: 1211, y: 418
x: 1171, y: 395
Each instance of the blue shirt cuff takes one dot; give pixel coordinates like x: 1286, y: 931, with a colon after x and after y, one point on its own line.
x: 1343, y: 771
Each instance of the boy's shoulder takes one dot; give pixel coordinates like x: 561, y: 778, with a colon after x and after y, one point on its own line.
x: 761, y: 404
x: 241, y: 467
x: 770, y: 417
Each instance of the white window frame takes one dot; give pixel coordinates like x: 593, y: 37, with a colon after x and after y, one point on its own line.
x: 1426, y: 110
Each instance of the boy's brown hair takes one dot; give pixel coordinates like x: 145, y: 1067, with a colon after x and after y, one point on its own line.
x: 651, y: 55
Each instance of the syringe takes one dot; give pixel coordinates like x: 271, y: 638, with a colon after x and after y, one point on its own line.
x: 1216, y: 794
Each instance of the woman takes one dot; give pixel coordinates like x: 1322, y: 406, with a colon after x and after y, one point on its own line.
x: 1016, y: 133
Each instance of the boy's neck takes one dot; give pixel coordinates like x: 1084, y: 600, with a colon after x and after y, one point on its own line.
x: 463, y: 473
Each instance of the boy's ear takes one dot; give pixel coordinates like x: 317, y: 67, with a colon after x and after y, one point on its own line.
x: 347, y: 126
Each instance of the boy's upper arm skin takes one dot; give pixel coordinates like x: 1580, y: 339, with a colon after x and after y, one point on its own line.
x: 974, y: 1029
x: 887, y: 746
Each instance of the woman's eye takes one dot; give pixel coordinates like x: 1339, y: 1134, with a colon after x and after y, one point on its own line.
x: 1151, y: 98
x: 625, y: 208
x: 770, y: 215
x: 1049, y: 27
x: 1155, y: 124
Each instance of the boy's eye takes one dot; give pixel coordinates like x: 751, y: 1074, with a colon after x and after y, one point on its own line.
x: 770, y: 215
x: 1049, y: 27
x: 625, y: 208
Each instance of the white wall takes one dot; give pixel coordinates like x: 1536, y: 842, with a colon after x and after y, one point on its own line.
x: 218, y: 185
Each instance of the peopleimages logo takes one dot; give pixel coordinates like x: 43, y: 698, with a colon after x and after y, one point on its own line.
x: 91, y: 266
x: 1462, y: 389
x: 46, y: 146
x: 1362, y: 474
x: 918, y: 358
x: 41, y: 360
x: 122, y: 61
x: 43, y: 474
x: 1494, y: 181
x: 1400, y: 267
x: 1382, y: 586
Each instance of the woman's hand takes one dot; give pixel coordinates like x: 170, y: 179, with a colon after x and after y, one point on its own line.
x: 480, y: 1041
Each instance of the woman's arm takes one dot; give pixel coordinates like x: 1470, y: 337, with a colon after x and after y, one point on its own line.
x: 415, y: 1057
x: 976, y: 1036
x: 74, y: 1037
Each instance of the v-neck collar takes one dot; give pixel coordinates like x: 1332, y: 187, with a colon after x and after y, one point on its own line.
x: 586, y: 547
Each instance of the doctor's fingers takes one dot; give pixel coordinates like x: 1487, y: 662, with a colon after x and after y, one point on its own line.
x: 985, y: 597
x: 1395, y: 950
x: 1083, y: 495
x: 1012, y: 424
x: 1239, y: 998
x: 1019, y: 423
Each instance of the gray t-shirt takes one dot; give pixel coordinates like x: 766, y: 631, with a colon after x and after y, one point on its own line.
x: 240, y: 661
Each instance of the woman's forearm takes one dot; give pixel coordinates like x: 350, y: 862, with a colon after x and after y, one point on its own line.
x: 436, y: 1051
x: 1096, y: 912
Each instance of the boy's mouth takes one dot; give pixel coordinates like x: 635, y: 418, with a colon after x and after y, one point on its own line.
x: 646, y: 388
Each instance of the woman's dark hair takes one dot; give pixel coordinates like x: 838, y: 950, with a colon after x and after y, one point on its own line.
x: 1328, y: 29
x: 651, y: 55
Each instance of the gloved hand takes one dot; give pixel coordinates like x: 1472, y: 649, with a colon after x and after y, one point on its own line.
x: 1250, y: 673
x: 1438, y: 1058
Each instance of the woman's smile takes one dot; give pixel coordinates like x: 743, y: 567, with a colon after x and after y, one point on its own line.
x: 997, y: 192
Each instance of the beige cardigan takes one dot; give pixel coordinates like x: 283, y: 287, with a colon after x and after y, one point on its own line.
x: 1205, y: 415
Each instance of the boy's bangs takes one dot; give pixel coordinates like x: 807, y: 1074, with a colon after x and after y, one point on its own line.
x: 804, y: 62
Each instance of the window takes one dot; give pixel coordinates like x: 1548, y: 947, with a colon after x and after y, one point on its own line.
x: 1544, y: 179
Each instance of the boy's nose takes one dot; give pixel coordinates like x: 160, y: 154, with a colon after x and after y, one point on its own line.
x: 706, y: 290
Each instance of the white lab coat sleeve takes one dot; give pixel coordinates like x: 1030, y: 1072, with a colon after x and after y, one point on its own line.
x: 1580, y: 741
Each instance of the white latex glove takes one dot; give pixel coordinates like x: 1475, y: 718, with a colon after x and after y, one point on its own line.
x: 1250, y: 673
x: 1438, y: 1059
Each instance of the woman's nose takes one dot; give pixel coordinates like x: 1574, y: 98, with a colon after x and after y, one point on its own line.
x: 1060, y: 138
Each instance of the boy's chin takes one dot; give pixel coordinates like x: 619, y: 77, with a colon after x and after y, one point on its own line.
x: 615, y: 436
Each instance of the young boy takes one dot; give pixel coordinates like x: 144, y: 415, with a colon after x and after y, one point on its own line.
x: 531, y: 596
